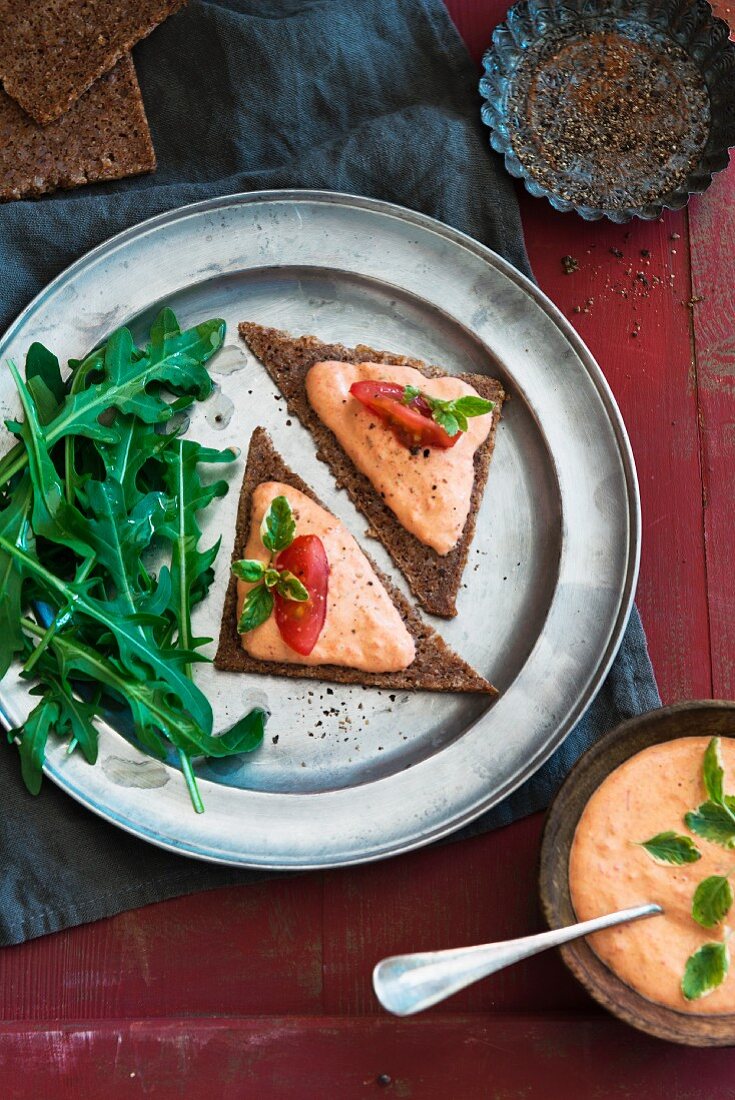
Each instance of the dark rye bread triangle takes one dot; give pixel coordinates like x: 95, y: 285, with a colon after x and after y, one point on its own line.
x: 51, y: 51
x: 104, y: 136
x: 434, y: 579
x: 435, y: 667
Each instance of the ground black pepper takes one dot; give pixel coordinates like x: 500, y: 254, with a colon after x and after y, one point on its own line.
x: 604, y: 121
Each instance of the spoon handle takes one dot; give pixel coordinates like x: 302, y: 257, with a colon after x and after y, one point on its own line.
x: 405, y: 984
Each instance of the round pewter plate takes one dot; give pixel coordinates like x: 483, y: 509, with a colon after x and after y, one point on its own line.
x: 347, y: 774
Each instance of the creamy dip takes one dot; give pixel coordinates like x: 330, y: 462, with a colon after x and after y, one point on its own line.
x: 647, y: 795
x: 362, y: 629
x: 429, y: 492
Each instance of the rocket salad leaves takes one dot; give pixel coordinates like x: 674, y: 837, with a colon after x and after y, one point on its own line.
x: 92, y: 486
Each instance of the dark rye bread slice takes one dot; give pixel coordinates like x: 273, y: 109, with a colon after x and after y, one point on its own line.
x: 104, y: 136
x: 434, y: 578
x: 51, y: 51
x: 435, y: 668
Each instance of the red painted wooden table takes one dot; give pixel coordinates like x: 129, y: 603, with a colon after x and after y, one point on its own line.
x: 265, y: 991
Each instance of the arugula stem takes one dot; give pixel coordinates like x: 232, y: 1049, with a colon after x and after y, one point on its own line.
x: 56, y: 624
x: 191, y: 782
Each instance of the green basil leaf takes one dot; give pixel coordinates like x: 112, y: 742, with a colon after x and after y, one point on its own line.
x: 291, y: 588
x: 278, y: 527
x: 461, y: 420
x: 713, y: 822
x: 472, y: 406
x: 249, y: 570
x: 447, y: 420
x: 410, y: 393
x: 713, y: 772
x: 671, y: 848
x: 705, y: 970
x: 712, y: 901
x: 271, y: 577
x: 256, y: 609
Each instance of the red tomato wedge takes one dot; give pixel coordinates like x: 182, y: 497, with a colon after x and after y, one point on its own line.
x: 411, y: 424
x: 300, y: 623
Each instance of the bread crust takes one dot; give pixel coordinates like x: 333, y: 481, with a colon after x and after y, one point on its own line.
x: 435, y: 668
x: 434, y: 578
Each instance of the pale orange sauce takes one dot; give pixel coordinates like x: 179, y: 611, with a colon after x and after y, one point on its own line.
x: 647, y: 795
x: 362, y: 629
x: 429, y: 492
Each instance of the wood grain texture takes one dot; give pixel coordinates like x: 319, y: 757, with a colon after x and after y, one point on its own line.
x: 713, y: 309
x: 521, y: 1057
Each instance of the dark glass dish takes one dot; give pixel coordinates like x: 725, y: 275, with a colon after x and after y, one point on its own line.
x: 612, y: 108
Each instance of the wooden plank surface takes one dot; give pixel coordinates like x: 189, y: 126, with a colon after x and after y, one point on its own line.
x: 520, y: 1057
x: 264, y: 991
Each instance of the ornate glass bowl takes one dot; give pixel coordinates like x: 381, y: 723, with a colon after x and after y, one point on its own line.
x: 612, y: 108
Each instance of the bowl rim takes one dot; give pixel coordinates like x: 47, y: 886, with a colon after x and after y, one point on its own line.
x: 616, y: 746
x: 528, y: 22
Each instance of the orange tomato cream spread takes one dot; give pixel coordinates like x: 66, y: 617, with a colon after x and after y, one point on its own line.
x: 362, y: 629
x: 608, y: 869
x: 429, y: 492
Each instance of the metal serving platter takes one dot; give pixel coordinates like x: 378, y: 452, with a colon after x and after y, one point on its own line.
x: 347, y: 774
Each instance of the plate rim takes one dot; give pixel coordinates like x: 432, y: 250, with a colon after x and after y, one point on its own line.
x: 612, y: 412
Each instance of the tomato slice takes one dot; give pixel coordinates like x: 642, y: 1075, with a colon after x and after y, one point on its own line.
x: 300, y: 624
x: 411, y: 424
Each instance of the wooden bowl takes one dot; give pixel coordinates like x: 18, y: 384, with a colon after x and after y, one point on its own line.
x: 701, y: 719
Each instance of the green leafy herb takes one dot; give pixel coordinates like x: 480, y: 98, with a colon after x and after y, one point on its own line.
x: 671, y: 848
x: 278, y: 527
x: 96, y: 478
x: 450, y: 415
x: 712, y: 900
x: 713, y: 822
x: 705, y: 970
x: 256, y: 609
x: 249, y: 570
x: 277, y: 531
x: 290, y: 587
x: 713, y: 772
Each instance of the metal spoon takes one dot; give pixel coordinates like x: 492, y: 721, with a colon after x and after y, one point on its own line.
x: 405, y: 984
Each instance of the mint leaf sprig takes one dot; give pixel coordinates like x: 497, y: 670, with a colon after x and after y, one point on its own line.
x: 671, y: 848
x: 452, y: 416
x: 714, y: 820
x: 705, y: 970
x: 277, y: 531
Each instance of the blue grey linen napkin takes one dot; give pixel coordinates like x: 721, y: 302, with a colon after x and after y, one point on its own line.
x: 376, y: 97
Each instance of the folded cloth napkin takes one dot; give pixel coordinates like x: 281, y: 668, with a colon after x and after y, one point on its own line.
x: 376, y: 97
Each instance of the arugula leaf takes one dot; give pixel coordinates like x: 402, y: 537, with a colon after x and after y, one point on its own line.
x: 712, y: 900
x: 256, y: 609
x: 15, y: 527
x: 278, y: 527
x: 244, y: 736
x: 140, y: 658
x: 290, y: 587
x: 174, y: 357
x: 191, y: 568
x: 671, y: 848
x: 32, y: 738
x: 713, y: 772
x: 713, y: 822
x: 53, y: 516
x: 705, y: 970
x: 249, y: 569
x: 42, y: 363
x: 155, y: 718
